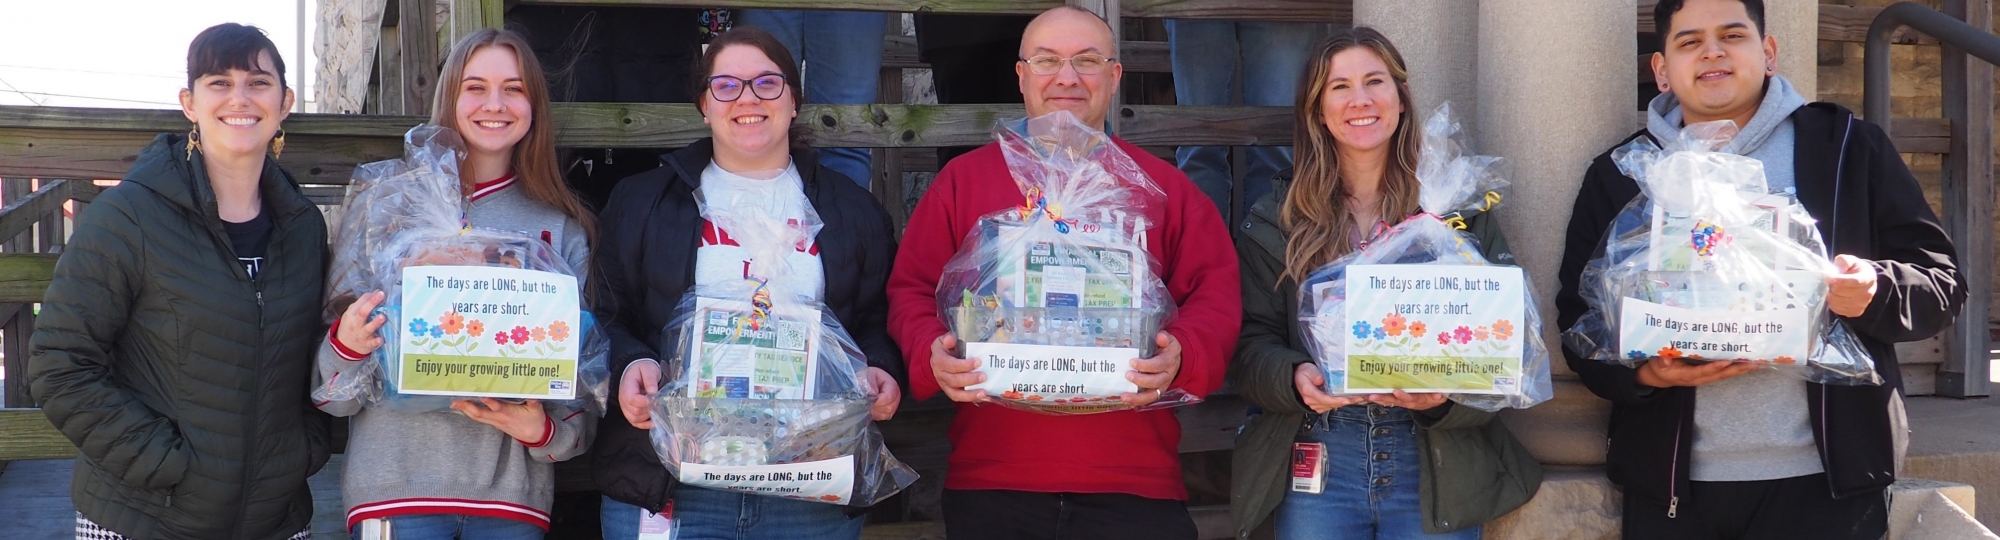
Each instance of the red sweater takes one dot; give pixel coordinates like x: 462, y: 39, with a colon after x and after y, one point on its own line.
x: 1117, y: 452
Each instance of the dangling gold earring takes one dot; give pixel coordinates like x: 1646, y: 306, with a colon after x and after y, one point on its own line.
x: 278, y: 144
x: 194, y: 141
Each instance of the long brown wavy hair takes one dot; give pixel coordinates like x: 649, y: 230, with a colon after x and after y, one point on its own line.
x: 534, y: 160
x: 1316, y: 208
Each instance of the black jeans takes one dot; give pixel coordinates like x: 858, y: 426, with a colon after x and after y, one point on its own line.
x: 1798, y: 507
x: 1024, y: 515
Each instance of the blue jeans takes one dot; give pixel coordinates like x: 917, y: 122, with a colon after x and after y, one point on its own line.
x: 840, y: 53
x: 1370, y: 480
x: 1206, y: 57
x: 707, y: 514
x: 461, y: 527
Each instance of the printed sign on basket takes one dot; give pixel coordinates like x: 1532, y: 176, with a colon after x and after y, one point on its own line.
x: 490, y: 332
x: 1433, y: 328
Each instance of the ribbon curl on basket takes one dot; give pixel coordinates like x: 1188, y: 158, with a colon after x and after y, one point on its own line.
x: 765, y: 392
x: 1057, y: 296
x: 404, y: 215
x: 1707, y: 264
x: 1394, y: 315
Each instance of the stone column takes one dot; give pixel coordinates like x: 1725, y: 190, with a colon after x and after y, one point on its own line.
x: 1796, y: 25
x: 1436, y: 40
x: 1549, y: 104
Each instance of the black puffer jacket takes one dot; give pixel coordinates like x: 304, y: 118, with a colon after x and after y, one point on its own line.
x: 182, y: 381
x: 1852, y: 180
x: 647, y: 239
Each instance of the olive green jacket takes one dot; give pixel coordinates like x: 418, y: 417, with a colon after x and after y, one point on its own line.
x: 1474, y: 470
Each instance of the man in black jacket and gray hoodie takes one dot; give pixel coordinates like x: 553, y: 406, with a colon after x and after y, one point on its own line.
x: 1726, y: 450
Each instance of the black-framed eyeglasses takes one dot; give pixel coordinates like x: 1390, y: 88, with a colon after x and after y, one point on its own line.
x: 1085, y: 64
x: 725, y: 88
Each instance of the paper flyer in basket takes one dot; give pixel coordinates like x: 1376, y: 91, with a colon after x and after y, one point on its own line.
x: 1433, y: 328
x: 1076, y: 274
x: 488, y: 331
x: 737, y: 356
x: 827, y: 481
x: 1052, y: 373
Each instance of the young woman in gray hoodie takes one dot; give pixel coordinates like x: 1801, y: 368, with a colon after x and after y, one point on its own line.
x: 484, y: 469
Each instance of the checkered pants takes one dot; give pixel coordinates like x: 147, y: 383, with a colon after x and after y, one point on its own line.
x: 88, y: 530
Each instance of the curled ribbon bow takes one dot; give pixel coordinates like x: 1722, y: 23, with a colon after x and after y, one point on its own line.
x: 760, y: 304
x: 1036, y: 201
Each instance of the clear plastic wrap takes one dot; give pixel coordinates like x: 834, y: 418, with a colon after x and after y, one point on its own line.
x: 409, y: 214
x: 1428, y: 312
x: 764, y: 390
x: 1056, y: 296
x: 1707, y: 265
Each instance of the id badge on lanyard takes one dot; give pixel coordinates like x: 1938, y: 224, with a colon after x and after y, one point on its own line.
x: 1308, y: 466
x: 659, y: 526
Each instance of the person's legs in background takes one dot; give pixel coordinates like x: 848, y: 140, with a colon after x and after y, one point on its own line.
x: 1274, y: 61
x: 845, y: 69
x: 840, y: 57
x: 1204, y: 55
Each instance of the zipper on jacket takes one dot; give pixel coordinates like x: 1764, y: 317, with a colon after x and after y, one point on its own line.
x: 1674, y: 473
x: 1823, y: 449
x: 1839, y: 168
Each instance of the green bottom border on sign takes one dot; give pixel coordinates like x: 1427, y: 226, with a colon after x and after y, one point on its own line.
x: 1432, y: 380
x: 486, y: 376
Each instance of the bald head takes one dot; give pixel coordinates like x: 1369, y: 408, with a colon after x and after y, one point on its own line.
x: 1066, y: 20
x: 1065, y: 32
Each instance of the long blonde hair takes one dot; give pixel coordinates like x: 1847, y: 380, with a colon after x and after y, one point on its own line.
x: 534, y: 159
x: 1316, y: 208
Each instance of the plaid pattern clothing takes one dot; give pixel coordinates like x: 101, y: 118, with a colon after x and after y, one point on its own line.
x: 88, y: 530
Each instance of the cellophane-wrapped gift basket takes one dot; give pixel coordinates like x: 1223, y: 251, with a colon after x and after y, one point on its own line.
x: 472, y: 312
x: 1419, y: 308
x: 765, y: 391
x: 1708, y: 264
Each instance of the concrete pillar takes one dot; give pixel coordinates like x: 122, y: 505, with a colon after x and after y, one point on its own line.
x: 1550, y: 105
x: 1796, y: 25
x: 1435, y: 37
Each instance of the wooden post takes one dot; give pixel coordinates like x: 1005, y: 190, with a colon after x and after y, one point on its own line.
x: 468, y: 16
x: 19, y: 324
x: 14, y: 190
x: 888, y: 162
x: 389, y: 72
x: 1968, y: 212
x: 49, y: 236
x: 416, y: 28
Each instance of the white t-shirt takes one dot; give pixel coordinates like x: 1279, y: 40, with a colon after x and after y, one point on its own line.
x: 722, y: 257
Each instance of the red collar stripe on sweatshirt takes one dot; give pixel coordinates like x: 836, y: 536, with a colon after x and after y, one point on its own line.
x: 490, y: 187
x: 463, y: 507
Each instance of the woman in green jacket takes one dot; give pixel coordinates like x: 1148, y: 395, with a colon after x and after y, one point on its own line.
x: 177, y: 336
x: 1398, y: 465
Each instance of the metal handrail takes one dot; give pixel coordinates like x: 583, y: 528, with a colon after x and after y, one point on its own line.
x: 1965, y: 373
x: 1948, y: 31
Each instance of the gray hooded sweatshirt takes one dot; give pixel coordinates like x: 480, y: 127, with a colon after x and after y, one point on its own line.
x: 1755, y: 426
x: 441, y: 462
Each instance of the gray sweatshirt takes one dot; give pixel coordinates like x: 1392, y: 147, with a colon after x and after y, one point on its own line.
x: 441, y: 462
x: 1755, y: 426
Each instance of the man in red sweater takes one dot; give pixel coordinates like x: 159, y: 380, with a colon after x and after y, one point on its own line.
x: 1023, y: 475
